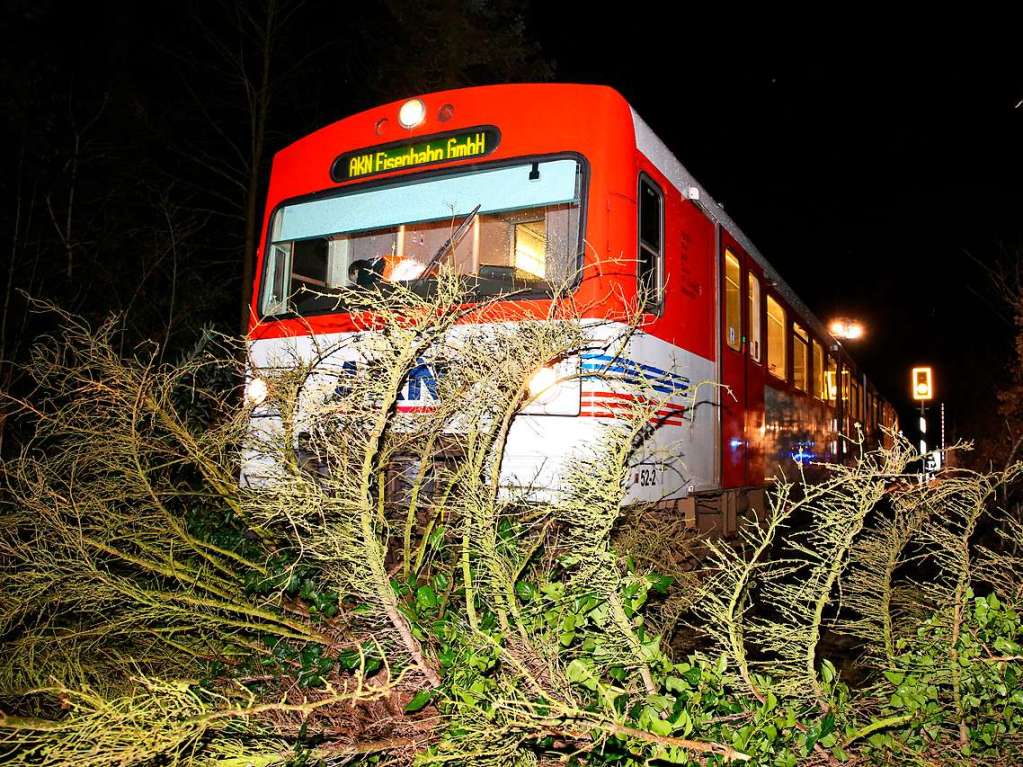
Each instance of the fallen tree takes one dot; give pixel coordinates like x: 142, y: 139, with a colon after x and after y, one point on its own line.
x: 154, y: 611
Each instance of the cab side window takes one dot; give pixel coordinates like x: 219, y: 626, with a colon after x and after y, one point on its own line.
x: 651, y: 249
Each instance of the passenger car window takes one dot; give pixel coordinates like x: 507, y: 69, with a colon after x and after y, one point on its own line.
x: 800, y: 369
x: 832, y: 381
x: 775, y: 338
x: 819, y: 389
x: 733, y: 309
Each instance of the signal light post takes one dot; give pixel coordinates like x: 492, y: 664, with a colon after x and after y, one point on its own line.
x: 922, y: 386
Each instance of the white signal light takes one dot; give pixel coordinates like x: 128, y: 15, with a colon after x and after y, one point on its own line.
x: 412, y: 113
x: 256, y: 392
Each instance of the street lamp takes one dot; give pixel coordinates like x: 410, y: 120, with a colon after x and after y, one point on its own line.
x: 845, y: 328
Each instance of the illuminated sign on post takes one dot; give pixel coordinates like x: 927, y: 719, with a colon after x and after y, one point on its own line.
x: 923, y: 389
x: 463, y: 145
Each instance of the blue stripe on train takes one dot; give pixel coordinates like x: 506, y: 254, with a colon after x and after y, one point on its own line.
x: 638, y: 382
x: 634, y: 373
x: 637, y: 366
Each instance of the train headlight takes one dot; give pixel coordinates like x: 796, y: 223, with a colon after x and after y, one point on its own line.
x: 412, y: 113
x: 542, y: 384
x: 554, y: 389
x: 256, y: 391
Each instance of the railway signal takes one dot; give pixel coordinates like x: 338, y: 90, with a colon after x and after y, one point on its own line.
x: 921, y: 384
x: 923, y: 388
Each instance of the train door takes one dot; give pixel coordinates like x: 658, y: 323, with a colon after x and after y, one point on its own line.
x: 742, y: 406
x: 756, y: 328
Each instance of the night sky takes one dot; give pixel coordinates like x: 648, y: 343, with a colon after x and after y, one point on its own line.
x: 879, y: 171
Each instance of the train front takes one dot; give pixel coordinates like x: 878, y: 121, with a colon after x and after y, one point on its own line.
x: 494, y: 182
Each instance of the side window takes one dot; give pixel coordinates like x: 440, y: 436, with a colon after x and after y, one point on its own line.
x: 819, y: 390
x: 277, y: 280
x: 733, y: 309
x: 754, y: 318
x: 775, y: 338
x: 651, y: 237
x: 800, y: 368
x: 832, y: 381
x: 843, y: 393
x: 276, y: 273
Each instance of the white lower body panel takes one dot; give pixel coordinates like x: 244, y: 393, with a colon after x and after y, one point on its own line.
x: 679, y: 445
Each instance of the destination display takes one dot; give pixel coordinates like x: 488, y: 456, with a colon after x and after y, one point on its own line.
x: 465, y: 144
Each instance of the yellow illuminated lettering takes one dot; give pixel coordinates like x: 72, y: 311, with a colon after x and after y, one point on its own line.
x: 408, y: 156
x: 359, y: 165
x: 470, y: 147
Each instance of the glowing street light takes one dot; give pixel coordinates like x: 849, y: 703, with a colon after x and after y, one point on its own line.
x: 842, y: 327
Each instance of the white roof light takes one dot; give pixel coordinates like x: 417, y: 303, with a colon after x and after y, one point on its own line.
x: 412, y: 113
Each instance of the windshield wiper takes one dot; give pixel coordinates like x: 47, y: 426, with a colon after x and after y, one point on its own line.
x: 452, y: 242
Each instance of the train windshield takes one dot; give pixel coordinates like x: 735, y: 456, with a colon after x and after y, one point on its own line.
x: 510, y: 229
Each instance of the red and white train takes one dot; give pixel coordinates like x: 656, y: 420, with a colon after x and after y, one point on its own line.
x: 551, y: 181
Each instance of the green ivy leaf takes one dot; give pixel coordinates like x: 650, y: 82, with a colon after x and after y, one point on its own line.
x: 827, y: 726
x: 895, y: 677
x: 419, y: 700
x: 580, y: 671
x: 525, y: 591
x: 659, y: 583
x: 426, y: 598
x: 674, y: 684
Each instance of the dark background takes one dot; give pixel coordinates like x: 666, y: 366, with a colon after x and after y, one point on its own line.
x: 875, y: 161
